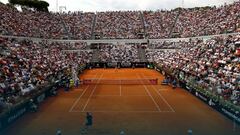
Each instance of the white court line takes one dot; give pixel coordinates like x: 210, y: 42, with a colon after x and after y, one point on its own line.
x: 80, y: 96
x: 149, y: 94
x: 75, y: 103
x: 161, y: 96
x: 120, y: 90
x: 91, y: 94
x: 121, y: 111
x: 119, y: 96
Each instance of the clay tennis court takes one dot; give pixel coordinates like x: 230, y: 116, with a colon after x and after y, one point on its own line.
x: 137, y: 109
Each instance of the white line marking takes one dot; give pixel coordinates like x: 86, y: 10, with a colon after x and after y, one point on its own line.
x: 75, y: 103
x: 161, y: 97
x: 91, y: 94
x: 119, y: 96
x: 80, y: 96
x: 164, y: 99
x: 120, y: 89
x: 121, y: 111
x: 149, y: 94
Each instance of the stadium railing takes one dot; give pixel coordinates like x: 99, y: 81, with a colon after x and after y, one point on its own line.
x: 120, y: 40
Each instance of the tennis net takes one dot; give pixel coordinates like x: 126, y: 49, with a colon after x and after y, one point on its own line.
x: 143, y: 81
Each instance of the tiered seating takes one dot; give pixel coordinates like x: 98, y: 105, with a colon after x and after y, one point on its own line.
x: 78, y: 24
x: 119, y: 53
x: 159, y: 24
x: 213, y: 65
x: 208, y: 21
x: 25, y: 65
x: 112, y: 25
x: 121, y: 24
x: 30, y: 23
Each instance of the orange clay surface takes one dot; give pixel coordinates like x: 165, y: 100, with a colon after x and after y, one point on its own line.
x: 135, y: 109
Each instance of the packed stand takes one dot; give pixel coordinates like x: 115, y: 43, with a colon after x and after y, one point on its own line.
x: 78, y: 24
x: 27, y: 65
x: 159, y: 24
x: 208, y: 20
x: 119, y: 24
x: 213, y: 65
x: 30, y: 23
x: 118, y: 53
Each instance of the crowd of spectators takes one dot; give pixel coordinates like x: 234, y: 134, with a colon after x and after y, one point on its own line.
x: 185, y: 22
x: 78, y: 24
x: 212, y: 64
x: 26, y: 65
x: 120, y: 24
x: 124, y: 53
x: 159, y: 24
x: 208, y: 20
x: 30, y: 23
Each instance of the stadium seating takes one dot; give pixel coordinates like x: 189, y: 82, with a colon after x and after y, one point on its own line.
x: 25, y: 65
x: 30, y: 23
x: 115, y: 25
x: 119, y: 53
x: 160, y: 23
x: 78, y: 24
x: 121, y: 24
x: 212, y: 64
x: 208, y: 20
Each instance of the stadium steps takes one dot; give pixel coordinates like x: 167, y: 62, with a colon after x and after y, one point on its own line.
x: 66, y: 30
x: 95, y: 55
x: 174, y: 24
x: 142, y: 54
x: 143, y: 23
x: 93, y: 27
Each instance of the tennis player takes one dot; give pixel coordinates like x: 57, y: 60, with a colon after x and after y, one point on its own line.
x: 88, y: 123
x: 89, y: 119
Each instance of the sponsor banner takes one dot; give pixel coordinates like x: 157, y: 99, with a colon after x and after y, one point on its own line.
x: 15, y: 115
x: 140, y: 65
x: 112, y: 64
x: 188, y: 88
x: 235, y: 116
x: 117, y: 64
x: 201, y: 96
x: 153, y: 81
x: 127, y: 64
x: 87, y: 81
